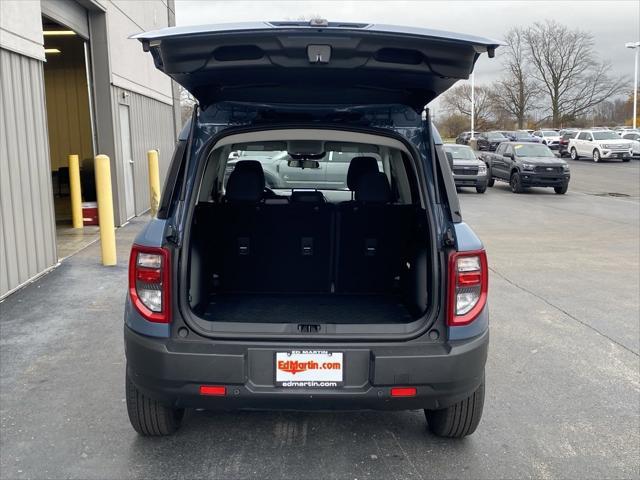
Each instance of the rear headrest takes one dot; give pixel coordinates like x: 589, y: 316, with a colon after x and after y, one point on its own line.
x: 307, y: 197
x: 246, y: 182
x: 358, y: 167
x: 373, y: 187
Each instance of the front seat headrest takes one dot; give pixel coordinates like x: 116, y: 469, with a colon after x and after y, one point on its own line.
x: 358, y: 167
x: 246, y: 182
x: 373, y: 187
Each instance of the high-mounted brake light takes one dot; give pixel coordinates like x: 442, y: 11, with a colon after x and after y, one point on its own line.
x: 149, y: 282
x: 468, y: 283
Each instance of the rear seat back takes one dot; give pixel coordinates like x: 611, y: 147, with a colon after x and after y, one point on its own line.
x: 241, y: 229
x: 373, y: 238
x: 300, y: 244
x: 305, y: 245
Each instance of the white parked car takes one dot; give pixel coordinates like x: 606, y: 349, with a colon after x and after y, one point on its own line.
x: 634, y: 137
x: 599, y: 144
x: 550, y: 138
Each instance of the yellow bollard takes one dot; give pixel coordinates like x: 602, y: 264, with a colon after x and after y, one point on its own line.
x: 105, y: 210
x: 154, y: 181
x: 76, y: 191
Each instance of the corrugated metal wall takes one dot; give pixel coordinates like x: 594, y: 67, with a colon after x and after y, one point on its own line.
x: 68, y: 114
x: 151, y: 128
x: 27, y: 222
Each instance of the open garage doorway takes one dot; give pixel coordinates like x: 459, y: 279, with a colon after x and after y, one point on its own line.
x: 70, y: 128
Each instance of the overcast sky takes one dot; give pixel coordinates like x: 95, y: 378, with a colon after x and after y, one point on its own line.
x: 612, y: 23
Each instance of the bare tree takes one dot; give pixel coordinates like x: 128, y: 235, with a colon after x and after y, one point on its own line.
x: 516, y: 92
x: 457, y: 100
x: 186, y: 103
x: 565, y: 64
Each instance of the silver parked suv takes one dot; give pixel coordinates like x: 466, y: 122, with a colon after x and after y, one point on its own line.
x: 467, y: 169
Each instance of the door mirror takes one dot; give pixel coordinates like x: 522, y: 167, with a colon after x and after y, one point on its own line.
x: 508, y: 155
x: 303, y: 164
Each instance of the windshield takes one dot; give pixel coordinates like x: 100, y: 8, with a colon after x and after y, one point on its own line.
x: 533, y: 150
x: 495, y: 136
x: 460, y: 152
x: 605, y: 136
x: 549, y: 133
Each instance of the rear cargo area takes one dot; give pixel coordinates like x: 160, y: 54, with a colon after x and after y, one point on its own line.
x: 307, y: 264
x: 310, y: 256
x: 307, y: 308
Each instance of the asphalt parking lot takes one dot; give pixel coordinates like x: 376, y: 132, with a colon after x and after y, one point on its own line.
x: 563, y: 375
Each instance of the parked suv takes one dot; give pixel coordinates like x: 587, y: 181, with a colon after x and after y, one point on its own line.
x: 367, y: 292
x: 599, y: 144
x: 463, y: 138
x: 490, y: 140
x: 634, y: 138
x: 551, y: 138
x: 563, y: 144
x: 467, y: 170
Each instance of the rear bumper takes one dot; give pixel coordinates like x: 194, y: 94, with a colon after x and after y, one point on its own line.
x: 543, y: 180
x: 172, y: 371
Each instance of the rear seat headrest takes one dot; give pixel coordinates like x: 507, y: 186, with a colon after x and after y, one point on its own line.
x: 373, y: 187
x: 307, y: 197
x: 358, y: 167
x: 246, y: 182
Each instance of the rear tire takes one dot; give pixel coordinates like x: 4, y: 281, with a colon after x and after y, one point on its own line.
x: 460, y: 419
x: 516, y: 183
x: 490, y: 180
x: 574, y: 154
x: 149, y: 417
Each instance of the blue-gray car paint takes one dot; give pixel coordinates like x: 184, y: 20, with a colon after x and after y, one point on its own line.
x: 467, y: 241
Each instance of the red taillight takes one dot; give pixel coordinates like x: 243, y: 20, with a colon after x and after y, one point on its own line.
x: 149, y: 282
x: 403, y: 392
x: 468, y: 282
x: 213, y: 390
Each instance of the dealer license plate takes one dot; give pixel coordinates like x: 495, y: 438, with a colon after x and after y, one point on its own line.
x: 309, y: 369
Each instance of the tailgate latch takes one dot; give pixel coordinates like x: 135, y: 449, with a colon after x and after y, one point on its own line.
x: 319, y: 53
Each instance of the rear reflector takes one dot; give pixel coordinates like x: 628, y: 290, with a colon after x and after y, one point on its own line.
x: 403, y: 392
x: 214, y: 390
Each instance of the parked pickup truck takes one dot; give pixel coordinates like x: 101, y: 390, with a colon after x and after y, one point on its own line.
x: 527, y: 165
x: 599, y: 144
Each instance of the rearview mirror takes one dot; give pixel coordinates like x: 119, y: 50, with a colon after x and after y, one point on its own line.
x: 303, y: 164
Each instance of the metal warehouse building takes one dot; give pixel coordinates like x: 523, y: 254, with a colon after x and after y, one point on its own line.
x: 73, y: 83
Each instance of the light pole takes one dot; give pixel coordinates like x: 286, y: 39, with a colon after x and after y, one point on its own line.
x: 473, y: 101
x: 636, y: 47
